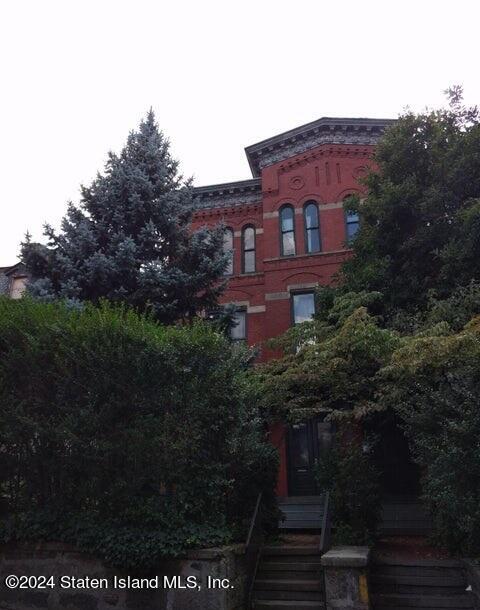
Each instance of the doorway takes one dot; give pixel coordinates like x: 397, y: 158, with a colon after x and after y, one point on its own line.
x: 400, y: 476
x: 306, y: 443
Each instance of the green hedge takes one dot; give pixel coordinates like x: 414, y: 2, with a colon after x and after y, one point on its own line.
x: 124, y: 437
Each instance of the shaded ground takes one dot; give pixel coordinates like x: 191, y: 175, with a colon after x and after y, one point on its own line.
x: 297, y: 540
x: 408, y: 547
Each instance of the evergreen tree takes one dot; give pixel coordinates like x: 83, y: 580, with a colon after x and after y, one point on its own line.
x: 130, y: 241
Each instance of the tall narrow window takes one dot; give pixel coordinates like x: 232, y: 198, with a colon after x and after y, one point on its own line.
x: 228, y: 249
x: 352, y: 224
x: 238, y: 332
x: 312, y: 227
x: 287, y: 231
x: 248, y: 247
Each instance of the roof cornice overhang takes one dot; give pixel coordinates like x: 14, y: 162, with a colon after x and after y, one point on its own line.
x: 15, y: 268
x: 327, y: 130
x: 228, y: 194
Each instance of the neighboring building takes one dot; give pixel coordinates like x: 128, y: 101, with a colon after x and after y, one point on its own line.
x: 289, y: 232
x: 13, y: 280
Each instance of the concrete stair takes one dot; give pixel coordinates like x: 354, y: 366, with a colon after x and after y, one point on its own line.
x: 404, y: 517
x: 302, y: 512
x: 423, y: 584
x: 289, y: 577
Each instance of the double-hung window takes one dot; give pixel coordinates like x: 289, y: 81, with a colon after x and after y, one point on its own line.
x: 312, y: 227
x: 238, y: 332
x: 287, y: 230
x: 352, y: 224
x: 248, y: 249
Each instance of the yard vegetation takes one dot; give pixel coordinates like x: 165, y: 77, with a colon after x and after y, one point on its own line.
x: 127, y: 438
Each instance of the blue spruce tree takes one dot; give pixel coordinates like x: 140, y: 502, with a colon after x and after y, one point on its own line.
x: 129, y: 239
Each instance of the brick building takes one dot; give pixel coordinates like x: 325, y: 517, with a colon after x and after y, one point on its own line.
x: 289, y: 232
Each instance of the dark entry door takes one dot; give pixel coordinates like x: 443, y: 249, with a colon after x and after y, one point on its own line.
x: 400, y: 476
x: 307, y: 441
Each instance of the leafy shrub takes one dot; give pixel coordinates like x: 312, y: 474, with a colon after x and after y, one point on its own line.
x: 353, y: 482
x: 433, y: 383
x: 122, y: 436
x: 333, y: 371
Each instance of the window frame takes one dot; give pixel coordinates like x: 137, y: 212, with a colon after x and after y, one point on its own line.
x: 242, y: 310
x: 232, y: 252
x: 295, y: 293
x: 318, y: 227
x: 254, y: 249
x: 282, y: 232
x: 346, y: 211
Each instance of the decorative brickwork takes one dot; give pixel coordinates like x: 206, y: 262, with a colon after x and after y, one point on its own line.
x: 320, y: 162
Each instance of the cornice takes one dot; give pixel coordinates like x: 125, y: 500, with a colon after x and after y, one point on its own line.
x: 229, y: 212
x: 229, y: 194
x: 327, y: 130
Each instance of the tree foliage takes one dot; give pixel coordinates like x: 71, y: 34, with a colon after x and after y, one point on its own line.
x: 124, y: 437
x: 431, y: 378
x: 433, y: 382
x: 419, y: 222
x: 130, y: 241
x: 353, y: 482
x: 330, y: 369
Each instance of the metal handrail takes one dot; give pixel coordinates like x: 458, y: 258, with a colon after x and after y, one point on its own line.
x: 253, y: 548
x: 326, y: 525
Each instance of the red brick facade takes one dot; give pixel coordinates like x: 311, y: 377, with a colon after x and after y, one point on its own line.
x: 319, y: 162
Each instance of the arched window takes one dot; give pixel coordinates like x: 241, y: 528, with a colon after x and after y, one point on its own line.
x: 248, y: 249
x: 287, y: 230
x: 228, y: 248
x: 312, y: 227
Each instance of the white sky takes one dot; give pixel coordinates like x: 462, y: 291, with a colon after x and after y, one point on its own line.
x: 77, y: 76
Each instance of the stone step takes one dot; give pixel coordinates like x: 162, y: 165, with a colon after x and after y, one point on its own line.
x: 281, y: 604
x: 300, y: 524
x: 419, y: 580
x: 302, y: 512
x: 303, y: 500
x: 273, y: 594
x: 416, y: 563
x: 298, y: 559
x: 396, y: 601
x: 424, y: 584
x: 263, y: 574
x: 404, y: 518
x: 305, y: 551
x: 287, y: 566
x: 409, y: 571
x: 414, y: 571
x: 288, y: 584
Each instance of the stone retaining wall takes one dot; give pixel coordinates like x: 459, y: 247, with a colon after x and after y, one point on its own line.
x: 226, y: 564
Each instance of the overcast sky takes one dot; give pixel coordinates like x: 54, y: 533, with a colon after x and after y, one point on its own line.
x: 77, y: 76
